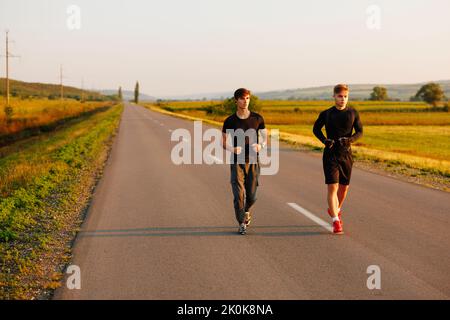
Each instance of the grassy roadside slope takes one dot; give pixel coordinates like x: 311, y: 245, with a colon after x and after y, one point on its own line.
x: 45, y: 185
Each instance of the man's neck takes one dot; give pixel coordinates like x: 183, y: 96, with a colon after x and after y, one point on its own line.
x: 243, y: 114
x: 340, y: 108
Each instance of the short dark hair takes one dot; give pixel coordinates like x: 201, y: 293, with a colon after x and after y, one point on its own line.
x: 340, y: 87
x: 241, y: 92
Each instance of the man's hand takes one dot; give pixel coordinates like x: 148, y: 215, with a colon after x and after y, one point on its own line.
x: 256, y: 147
x: 344, y: 141
x: 329, y: 143
x: 237, y: 150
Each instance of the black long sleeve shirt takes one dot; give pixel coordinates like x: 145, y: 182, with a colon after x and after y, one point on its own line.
x: 338, y: 124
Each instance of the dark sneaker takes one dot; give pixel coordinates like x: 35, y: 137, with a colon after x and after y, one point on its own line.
x: 248, y: 218
x: 242, y: 228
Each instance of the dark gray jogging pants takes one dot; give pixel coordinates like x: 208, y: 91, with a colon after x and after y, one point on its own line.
x: 244, y: 182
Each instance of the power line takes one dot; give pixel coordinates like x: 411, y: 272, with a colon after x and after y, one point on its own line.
x: 8, y: 55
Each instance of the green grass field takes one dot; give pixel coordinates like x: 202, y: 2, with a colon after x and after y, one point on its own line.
x: 426, y: 141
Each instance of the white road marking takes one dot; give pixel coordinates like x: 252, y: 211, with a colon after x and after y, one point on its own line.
x: 311, y: 216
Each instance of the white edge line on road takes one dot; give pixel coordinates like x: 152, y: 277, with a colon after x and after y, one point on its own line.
x: 311, y: 216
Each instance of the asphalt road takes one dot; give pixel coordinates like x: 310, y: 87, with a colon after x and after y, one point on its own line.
x: 156, y: 230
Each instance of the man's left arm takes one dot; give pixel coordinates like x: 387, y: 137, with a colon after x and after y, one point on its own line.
x: 262, y: 132
x: 357, y: 125
x: 263, y: 141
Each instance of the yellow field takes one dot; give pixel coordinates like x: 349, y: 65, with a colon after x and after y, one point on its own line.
x: 41, y: 112
x: 370, y: 118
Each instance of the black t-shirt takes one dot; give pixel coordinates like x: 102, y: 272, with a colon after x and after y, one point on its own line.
x: 338, y: 124
x: 255, y: 121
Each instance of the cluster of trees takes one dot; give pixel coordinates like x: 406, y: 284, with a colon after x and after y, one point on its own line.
x: 228, y: 106
x: 119, y: 95
x: 431, y: 93
x: 379, y: 94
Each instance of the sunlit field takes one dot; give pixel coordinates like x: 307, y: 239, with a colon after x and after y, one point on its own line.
x: 32, y: 113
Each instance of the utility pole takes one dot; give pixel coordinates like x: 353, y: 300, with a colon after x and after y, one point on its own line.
x: 7, y: 69
x: 60, y: 81
x: 8, y: 55
x: 82, y: 89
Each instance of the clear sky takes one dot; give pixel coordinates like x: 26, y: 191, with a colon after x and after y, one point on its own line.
x: 177, y: 47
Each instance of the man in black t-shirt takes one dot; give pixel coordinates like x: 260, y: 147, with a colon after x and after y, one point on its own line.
x: 244, y: 128
x: 339, y: 122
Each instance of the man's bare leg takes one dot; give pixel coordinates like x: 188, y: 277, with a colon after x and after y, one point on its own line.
x: 333, y: 205
x: 342, y: 194
x: 332, y: 198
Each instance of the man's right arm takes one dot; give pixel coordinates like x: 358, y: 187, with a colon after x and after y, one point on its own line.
x: 318, y: 125
x: 226, y: 146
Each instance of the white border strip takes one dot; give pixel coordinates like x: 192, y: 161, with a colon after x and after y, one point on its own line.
x: 311, y: 216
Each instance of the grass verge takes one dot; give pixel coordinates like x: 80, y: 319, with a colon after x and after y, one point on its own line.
x: 46, y: 186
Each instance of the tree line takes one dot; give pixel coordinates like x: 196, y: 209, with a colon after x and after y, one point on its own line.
x: 431, y: 93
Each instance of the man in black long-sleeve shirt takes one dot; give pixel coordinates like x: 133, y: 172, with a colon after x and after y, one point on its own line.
x: 339, y: 122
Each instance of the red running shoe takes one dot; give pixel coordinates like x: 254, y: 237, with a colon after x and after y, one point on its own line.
x: 339, y: 215
x: 337, y: 228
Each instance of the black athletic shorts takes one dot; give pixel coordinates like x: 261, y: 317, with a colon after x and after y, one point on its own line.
x: 337, y: 166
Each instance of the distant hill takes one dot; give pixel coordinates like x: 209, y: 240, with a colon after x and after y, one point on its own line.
x: 46, y: 90
x: 129, y: 95
x: 200, y: 96
x: 357, y: 91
